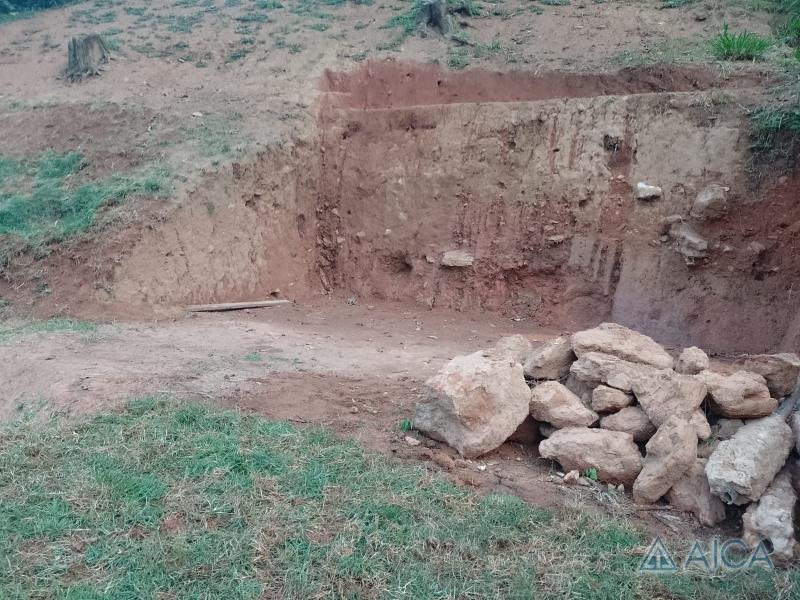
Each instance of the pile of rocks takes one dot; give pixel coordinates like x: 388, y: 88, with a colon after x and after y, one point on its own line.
x: 613, y: 402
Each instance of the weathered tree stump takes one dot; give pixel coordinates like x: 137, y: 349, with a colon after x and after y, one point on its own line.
x: 434, y: 14
x: 86, y: 54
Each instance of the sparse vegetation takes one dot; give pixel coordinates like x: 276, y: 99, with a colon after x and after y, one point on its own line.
x: 45, y: 200
x: 14, y: 331
x: 744, y: 45
x: 171, y: 499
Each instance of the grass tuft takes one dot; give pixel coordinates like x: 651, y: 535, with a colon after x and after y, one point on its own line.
x: 744, y: 45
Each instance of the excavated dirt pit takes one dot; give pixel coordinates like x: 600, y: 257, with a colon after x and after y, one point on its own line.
x: 531, y: 176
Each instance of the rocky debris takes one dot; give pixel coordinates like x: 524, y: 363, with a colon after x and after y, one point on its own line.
x: 741, y: 468
x: 645, y: 191
x: 663, y: 394
x: 513, y: 347
x: 700, y: 424
x: 555, y: 404
x: 595, y: 368
x: 612, y: 453
x: 773, y: 518
x: 692, y: 361
x: 692, y: 494
x: 474, y: 403
x: 725, y: 429
x: 779, y: 370
x: 670, y: 453
x: 527, y: 433
x: 551, y: 360
x: 457, y: 258
x: 624, y: 343
x: 711, y: 202
x: 687, y: 242
x: 741, y: 395
x: 631, y: 419
x: 580, y: 389
x: 606, y: 399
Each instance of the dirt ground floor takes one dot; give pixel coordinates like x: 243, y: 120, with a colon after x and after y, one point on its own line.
x: 355, y: 369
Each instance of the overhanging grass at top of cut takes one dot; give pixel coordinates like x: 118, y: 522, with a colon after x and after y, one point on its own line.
x: 177, y: 500
x: 46, y: 200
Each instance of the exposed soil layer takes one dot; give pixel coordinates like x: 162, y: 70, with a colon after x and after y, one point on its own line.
x: 395, y: 84
x: 537, y: 192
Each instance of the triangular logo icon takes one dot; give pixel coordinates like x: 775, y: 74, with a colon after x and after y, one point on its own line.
x: 658, y: 559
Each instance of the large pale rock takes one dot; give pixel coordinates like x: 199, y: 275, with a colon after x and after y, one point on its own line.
x: 772, y: 518
x: 692, y: 361
x: 663, y: 394
x: 670, y: 453
x: 624, y: 343
x: 555, y: 404
x: 606, y: 399
x: 612, y: 453
x: 741, y: 468
x: 780, y: 370
x: 595, y: 368
x: 514, y: 347
x: 741, y: 395
x: 631, y: 419
x: 474, y: 403
x: 692, y: 494
x: 551, y: 360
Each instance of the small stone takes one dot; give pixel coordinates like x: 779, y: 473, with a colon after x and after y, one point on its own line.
x: 688, y: 242
x: 606, y: 399
x: 457, y: 258
x: 412, y: 441
x: 692, y: 361
x: 354, y: 410
x: 712, y: 202
x: 572, y: 477
x: 550, y: 360
x: 645, y: 191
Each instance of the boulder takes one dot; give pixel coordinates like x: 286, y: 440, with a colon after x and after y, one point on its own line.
x: 663, y: 394
x: 613, y: 453
x: 555, y: 404
x: 514, y: 347
x: 624, y: 343
x: 692, y: 361
x: 595, y: 368
x: 670, y: 453
x: 606, y: 399
x: 700, y: 423
x: 692, y: 494
x: 551, y: 360
x: 645, y: 191
x: 711, y: 202
x: 474, y: 403
x: 779, y: 370
x: 772, y: 518
x: 741, y: 468
x: 741, y: 395
x: 457, y: 258
x: 632, y: 420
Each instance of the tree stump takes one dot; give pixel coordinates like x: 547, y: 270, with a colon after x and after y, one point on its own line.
x: 86, y: 54
x: 434, y: 13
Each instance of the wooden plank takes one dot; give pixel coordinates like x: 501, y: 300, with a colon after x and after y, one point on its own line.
x: 235, y: 305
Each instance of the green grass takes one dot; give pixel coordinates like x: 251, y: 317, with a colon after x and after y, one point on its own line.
x: 744, y: 45
x: 175, y: 500
x: 15, y: 331
x: 46, y: 200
